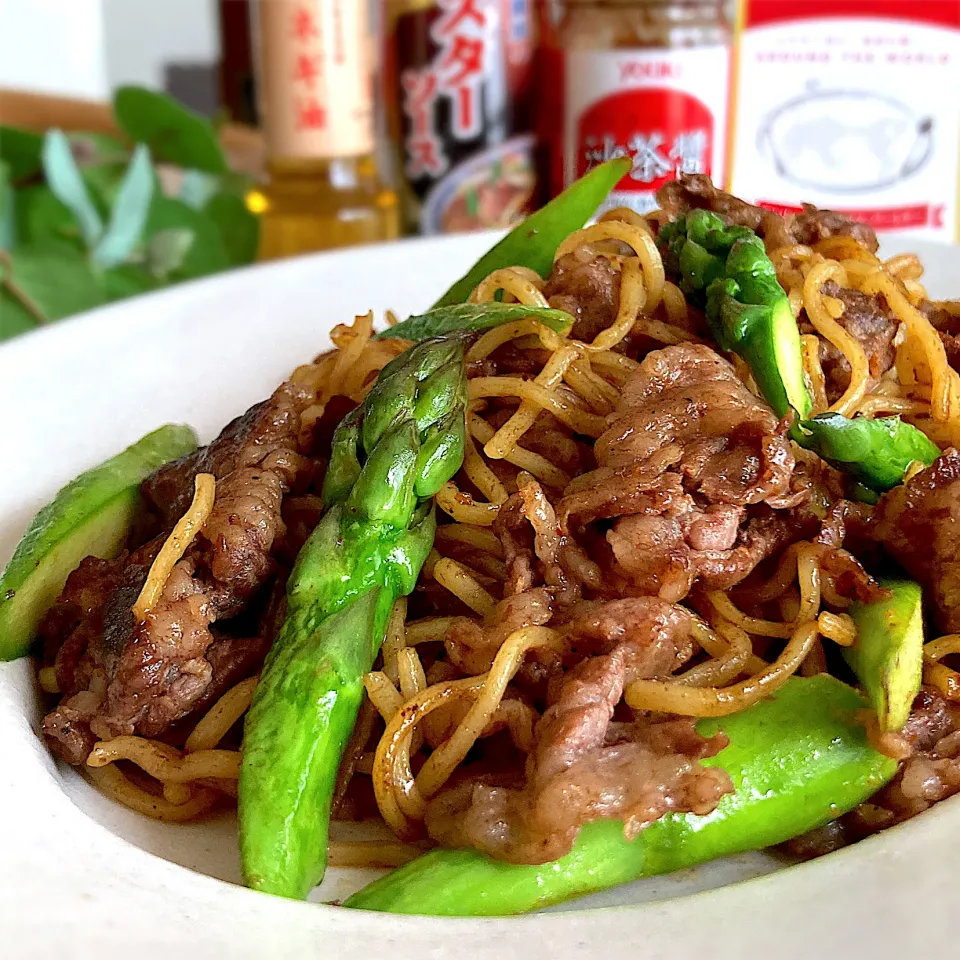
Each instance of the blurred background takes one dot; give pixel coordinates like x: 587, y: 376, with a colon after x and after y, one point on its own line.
x: 145, y: 143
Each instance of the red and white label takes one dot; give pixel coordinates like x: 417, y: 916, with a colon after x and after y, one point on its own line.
x: 852, y: 105
x: 665, y: 109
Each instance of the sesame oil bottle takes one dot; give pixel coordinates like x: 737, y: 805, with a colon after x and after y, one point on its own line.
x: 314, y: 77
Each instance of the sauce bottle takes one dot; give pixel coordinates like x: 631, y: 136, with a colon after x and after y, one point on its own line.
x: 314, y: 83
x: 648, y: 79
x: 458, y: 82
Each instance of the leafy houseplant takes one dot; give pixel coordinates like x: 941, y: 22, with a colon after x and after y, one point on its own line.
x: 86, y: 219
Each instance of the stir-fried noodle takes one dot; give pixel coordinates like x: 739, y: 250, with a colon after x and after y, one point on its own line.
x: 537, y: 401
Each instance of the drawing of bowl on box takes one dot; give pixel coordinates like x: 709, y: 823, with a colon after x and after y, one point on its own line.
x: 845, y: 141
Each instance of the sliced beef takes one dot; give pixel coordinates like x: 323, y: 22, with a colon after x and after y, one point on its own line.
x: 588, y: 289
x: 471, y: 646
x: 697, y: 192
x: 697, y: 472
x: 653, y: 636
x: 945, y: 317
x: 261, y: 437
x: 868, y: 320
x: 764, y: 533
x: 918, y: 523
x: 120, y: 676
x: 814, y: 225
x: 583, y: 767
x: 659, y: 556
x: 84, y: 633
x: 516, y: 536
x: 646, y: 486
x: 931, y: 719
x: 537, y: 549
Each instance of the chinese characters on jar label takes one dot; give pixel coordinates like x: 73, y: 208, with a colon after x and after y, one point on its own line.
x: 665, y: 109
x: 316, y: 98
x: 852, y: 105
x: 458, y: 75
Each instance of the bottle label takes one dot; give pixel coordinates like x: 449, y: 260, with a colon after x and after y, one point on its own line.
x: 314, y: 78
x: 853, y: 106
x: 458, y: 74
x: 665, y: 109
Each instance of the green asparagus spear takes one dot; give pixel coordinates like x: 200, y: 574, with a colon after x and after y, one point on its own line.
x: 887, y: 656
x: 797, y: 760
x: 296, y: 731
x: 91, y: 516
x: 875, y: 453
x: 388, y: 457
x: 474, y: 316
x: 726, y: 270
x: 534, y: 242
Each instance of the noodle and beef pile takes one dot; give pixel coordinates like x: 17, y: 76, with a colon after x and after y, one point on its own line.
x: 633, y: 542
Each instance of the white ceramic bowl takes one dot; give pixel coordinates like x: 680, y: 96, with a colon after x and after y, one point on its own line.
x: 79, y: 875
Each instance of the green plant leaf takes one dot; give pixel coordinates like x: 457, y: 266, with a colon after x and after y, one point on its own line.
x: 197, y: 188
x: 239, y: 228
x: 44, y: 221
x: 127, y: 280
x: 103, y: 162
x: 15, y: 318
x: 8, y: 222
x: 92, y: 149
x: 206, y: 254
x: 63, y: 178
x: 129, y: 214
x: 173, y: 133
x: 22, y: 150
x: 167, y: 250
x: 236, y: 183
x: 58, y: 282
x: 104, y: 180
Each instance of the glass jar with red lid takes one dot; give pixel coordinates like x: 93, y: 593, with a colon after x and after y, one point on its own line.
x: 641, y: 78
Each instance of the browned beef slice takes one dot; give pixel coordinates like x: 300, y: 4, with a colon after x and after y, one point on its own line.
x: 589, y: 290
x: 868, y: 320
x: 472, y: 646
x: 932, y: 771
x: 248, y: 440
x: 931, y: 719
x: 918, y: 523
x: 97, y: 598
x: 698, y: 471
x: 583, y: 767
x: 697, y: 192
x: 653, y: 636
x: 945, y: 317
x: 120, y: 676
x: 764, y: 534
x: 814, y: 225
